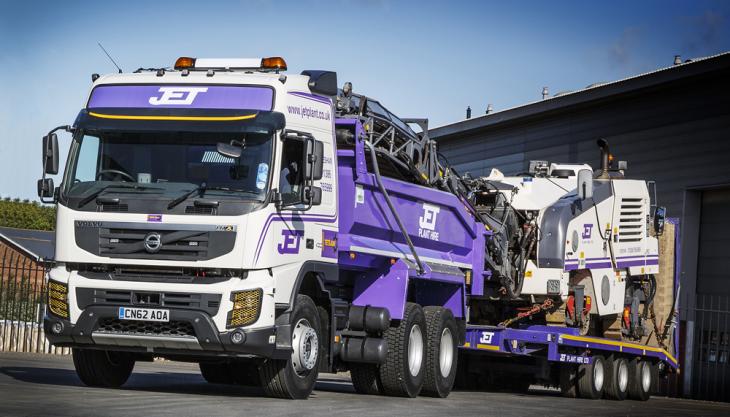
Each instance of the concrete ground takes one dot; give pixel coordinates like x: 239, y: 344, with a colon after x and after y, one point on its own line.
x: 45, y: 385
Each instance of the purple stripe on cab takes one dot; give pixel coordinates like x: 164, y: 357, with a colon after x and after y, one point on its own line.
x: 320, y: 99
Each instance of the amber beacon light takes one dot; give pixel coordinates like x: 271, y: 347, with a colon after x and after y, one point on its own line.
x: 274, y: 62
x: 184, y: 62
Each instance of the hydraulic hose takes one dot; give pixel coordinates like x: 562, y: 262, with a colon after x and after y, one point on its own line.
x: 403, y: 230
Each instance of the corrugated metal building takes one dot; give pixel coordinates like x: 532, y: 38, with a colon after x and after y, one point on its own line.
x: 672, y: 126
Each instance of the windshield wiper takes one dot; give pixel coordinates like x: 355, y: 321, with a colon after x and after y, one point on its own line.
x: 106, y: 187
x: 202, y: 189
x: 199, y: 189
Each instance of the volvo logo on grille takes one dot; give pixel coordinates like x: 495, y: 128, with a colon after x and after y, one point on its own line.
x: 152, y: 242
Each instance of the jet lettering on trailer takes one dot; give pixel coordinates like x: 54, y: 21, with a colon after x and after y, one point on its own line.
x: 486, y: 338
x: 566, y: 357
x: 427, y: 222
x: 179, y: 96
x: 290, y: 243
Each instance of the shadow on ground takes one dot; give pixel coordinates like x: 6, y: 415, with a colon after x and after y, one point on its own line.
x: 162, y: 382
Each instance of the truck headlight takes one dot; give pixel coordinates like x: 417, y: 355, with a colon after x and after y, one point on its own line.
x: 58, y: 299
x: 246, y: 307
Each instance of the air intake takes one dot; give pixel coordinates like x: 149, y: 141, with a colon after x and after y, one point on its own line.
x: 631, y: 220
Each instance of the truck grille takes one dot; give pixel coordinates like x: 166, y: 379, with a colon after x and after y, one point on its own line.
x: 194, y: 301
x: 122, y: 243
x: 145, y: 328
x: 152, y: 241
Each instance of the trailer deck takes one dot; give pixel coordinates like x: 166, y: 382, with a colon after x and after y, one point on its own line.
x: 558, y: 344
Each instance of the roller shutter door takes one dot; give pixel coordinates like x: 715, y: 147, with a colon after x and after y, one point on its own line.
x: 713, y: 263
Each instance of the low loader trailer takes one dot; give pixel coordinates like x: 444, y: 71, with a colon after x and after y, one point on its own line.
x: 271, y: 226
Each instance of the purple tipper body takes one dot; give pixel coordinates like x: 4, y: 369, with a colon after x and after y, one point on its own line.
x: 446, y: 238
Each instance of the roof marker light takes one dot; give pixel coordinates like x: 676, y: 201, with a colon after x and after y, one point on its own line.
x: 274, y: 62
x: 184, y: 62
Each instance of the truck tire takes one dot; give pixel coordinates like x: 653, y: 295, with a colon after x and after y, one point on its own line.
x: 617, y: 378
x: 641, y: 379
x: 294, y: 378
x: 216, y: 372
x: 591, y: 378
x: 365, y: 378
x: 403, y: 372
x: 568, y: 380
x: 101, y: 368
x: 441, y: 352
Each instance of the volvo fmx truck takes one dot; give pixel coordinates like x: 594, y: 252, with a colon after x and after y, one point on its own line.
x: 271, y: 226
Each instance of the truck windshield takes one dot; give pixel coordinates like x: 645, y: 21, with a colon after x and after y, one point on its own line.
x: 168, y: 163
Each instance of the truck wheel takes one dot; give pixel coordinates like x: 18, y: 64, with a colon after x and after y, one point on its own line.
x: 591, y: 378
x: 365, y: 378
x: 102, y: 368
x: 640, y: 380
x: 216, y: 373
x: 617, y: 378
x: 403, y: 372
x: 295, y: 377
x: 441, y: 352
x: 568, y: 381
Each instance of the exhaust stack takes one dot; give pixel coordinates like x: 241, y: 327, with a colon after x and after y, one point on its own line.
x: 603, y: 145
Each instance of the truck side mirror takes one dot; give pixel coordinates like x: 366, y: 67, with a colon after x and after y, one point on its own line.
x: 312, y: 196
x: 585, y: 184
x: 50, y: 154
x: 314, y: 159
x: 45, y: 188
x: 660, y: 216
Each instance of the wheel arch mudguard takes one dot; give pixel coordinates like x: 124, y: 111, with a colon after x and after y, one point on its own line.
x: 311, y: 281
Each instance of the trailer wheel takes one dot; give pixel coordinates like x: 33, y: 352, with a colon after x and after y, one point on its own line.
x: 591, y: 378
x: 617, y: 378
x: 568, y: 380
x: 403, y: 372
x: 295, y: 377
x: 216, y: 373
x: 365, y: 378
x: 102, y: 368
x: 641, y: 379
x: 441, y: 352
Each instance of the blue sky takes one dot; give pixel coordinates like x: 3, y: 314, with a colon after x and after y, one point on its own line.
x: 421, y: 58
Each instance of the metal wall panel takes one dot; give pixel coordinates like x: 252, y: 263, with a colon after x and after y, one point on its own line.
x: 677, y: 134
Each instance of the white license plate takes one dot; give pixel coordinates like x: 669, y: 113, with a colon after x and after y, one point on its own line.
x: 144, y: 314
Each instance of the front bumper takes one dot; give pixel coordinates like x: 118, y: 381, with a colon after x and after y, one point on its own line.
x: 205, y: 339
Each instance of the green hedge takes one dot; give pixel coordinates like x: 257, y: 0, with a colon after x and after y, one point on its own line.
x: 26, y: 214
